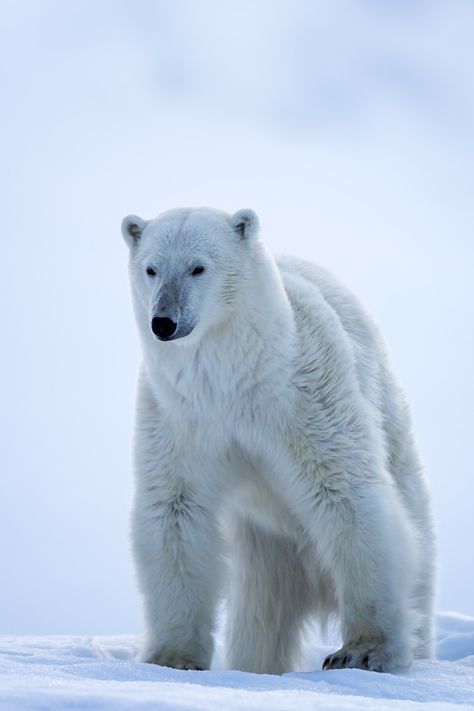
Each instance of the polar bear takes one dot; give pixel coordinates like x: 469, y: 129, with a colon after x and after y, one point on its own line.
x: 274, y: 458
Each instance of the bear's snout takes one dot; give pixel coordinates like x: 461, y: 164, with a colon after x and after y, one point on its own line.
x: 163, y: 328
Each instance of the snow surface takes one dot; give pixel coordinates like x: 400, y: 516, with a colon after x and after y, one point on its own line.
x: 68, y: 672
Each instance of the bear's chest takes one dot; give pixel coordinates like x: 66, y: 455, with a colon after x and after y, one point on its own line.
x: 220, y: 392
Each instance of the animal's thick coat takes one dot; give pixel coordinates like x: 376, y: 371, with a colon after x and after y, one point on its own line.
x: 272, y: 432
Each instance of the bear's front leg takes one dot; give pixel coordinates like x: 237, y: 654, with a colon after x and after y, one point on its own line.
x: 175, y: 544
x: 175, y: 558
x: 365, y: 539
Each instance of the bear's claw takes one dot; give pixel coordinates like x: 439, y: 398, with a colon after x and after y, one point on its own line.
x: 369, y: 656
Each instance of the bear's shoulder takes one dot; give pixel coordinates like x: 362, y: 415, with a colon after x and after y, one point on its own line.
x: 326, y: 304
x: 319, y: 278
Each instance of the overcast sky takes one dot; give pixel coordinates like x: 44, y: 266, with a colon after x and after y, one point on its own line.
x: 346, y: 125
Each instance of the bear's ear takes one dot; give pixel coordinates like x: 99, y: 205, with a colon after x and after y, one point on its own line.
x: 245, y: 224
x: 132, y: 229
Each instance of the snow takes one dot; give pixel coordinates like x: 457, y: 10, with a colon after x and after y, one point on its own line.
x: 71, y: 672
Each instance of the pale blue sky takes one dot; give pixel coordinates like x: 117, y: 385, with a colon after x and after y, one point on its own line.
x: 347, y: 126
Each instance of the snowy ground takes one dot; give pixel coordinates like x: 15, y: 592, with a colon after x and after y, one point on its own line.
x: 100, y: 673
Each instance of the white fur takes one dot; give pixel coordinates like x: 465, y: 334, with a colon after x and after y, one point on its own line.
x: 275, y: 435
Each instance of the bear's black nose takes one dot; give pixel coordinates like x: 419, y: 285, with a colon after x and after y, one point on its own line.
x: 163, y: 328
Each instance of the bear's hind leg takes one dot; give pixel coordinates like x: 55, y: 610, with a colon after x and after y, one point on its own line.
x: 407, y: 473
x: 424, y: 597
x: 269, y: 597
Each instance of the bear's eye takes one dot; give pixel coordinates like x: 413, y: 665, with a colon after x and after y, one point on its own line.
x: 197, y: 270
x: 150, y: 271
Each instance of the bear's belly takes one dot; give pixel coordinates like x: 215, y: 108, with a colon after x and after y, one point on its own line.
x: 265, y: 508
x: 250, y: 493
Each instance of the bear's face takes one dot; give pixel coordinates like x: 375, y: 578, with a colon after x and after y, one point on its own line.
x: 187, y: 267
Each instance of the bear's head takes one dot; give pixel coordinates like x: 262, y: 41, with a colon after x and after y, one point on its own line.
x: 188, y: 269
